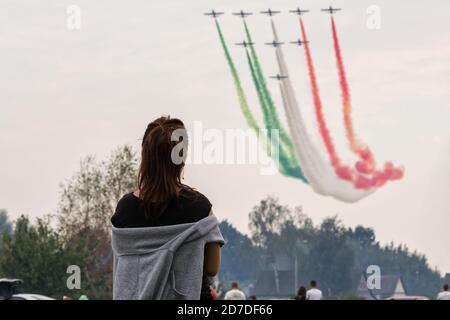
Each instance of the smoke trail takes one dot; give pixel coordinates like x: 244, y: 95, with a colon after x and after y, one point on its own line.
x: 319, y: 173
x: 251, y: 121
x: 286, y: 146
x: 304, y: 148
x: 290, y: 167
x: 275, y: 122
x: 266, y: 112
x: 366, y: 165
x: 344, y: 172
x: 286, y: 166
x: 284, y: 162
x: 355, y: 145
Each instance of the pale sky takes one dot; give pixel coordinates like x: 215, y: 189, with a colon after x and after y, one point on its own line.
x: 68, y: 94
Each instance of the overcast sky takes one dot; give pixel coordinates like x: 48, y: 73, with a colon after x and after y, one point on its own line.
x: 68, y: 94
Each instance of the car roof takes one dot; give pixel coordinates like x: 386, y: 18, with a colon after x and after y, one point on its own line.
x: 27, y: 296
x: 407, y: 298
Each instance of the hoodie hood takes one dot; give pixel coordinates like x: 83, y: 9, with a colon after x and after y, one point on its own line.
x: 135, y: 241
x: 162, y: 262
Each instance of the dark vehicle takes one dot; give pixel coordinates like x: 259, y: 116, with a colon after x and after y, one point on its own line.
x: 9, y: 289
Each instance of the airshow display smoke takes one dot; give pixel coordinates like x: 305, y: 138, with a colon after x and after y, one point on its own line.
x: 298, y: 155
x: 288, y: 164
x: 366, y: 164
x: 318, y: 171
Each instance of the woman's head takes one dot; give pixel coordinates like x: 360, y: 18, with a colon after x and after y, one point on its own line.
x: 162, y: 162
x: 301, y: 291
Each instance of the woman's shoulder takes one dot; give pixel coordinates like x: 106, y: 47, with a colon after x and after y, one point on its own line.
x: 195, y: 197
x: 125, y: 205
x: 127, y: 200
x: 197, y: 203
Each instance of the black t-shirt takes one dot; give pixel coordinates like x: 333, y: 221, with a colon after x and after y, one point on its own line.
x: 191, y: 206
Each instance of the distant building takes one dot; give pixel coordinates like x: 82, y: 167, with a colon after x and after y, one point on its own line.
x: 276, y: 281
x: 390, y: 286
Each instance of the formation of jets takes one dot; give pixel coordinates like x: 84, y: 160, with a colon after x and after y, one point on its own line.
x: 269, y: 12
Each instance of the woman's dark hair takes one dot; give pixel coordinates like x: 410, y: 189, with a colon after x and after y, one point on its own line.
x: 301, y: 294
x: 159, y: 178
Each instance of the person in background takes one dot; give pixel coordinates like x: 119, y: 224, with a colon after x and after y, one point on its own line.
x: 314, y: 293
x: 301, y: 293
x: 445, y: 294
x: 213, y: 293
x: 234, y: 293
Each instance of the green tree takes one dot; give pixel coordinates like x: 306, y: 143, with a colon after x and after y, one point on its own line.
x: 240, y: 260
x: 332, y: 258
x: 5, y: 225
x: 37, y: 255
x: 418, y: 277
x: 87, y: 203
x: 88, y: 199
x: 266, y: 222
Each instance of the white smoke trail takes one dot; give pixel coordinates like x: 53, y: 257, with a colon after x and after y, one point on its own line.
x: 317, y: 170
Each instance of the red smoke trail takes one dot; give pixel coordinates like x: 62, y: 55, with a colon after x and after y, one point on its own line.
x: 344, y: 172
x: 366, y: 165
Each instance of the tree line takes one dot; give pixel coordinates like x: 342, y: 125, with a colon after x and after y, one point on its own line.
x: 330, y: 253
x: 78, y: 233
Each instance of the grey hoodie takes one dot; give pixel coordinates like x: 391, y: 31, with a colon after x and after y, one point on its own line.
x: 161, y: 262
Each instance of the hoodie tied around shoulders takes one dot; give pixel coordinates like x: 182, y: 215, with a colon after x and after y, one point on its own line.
x: 162, y: 263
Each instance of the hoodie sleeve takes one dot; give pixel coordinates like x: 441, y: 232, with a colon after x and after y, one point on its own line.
x: 214, y: 235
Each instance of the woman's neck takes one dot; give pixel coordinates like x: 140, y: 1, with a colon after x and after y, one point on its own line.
x: 137, y: 193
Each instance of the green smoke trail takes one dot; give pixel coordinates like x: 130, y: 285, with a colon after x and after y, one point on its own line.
x: 288, y: 159
x: 285, y: 167
x: 288, y: 167
x: 266, y: 112
x: 274, y: 121
x: 251, y: 121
